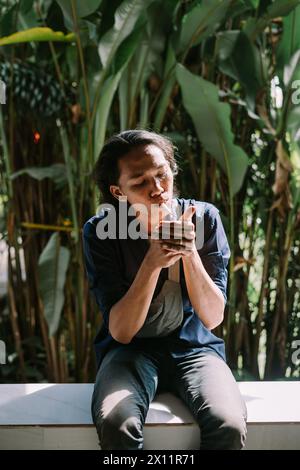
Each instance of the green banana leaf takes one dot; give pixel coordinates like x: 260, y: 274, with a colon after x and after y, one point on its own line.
x: 83, y: 8
x: 126, y: 17
x: 211, y: 119
x: 201, y: 22
x: 232, y: 47
x: 276, y: 9
x: 36, y: 35
x: 57, y: 172
x: 290, y: 40
x: 52, y: 268
x: 108, y: 90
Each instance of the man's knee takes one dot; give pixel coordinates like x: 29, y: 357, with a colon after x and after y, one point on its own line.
x: 224, y: 431
x: 118, y: 430
x: 233, y: 433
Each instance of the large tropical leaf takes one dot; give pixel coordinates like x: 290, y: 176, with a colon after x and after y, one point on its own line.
x: 211, y: 119
x: 57, y: 172
x: 148, y: 58
x: 277, y: 8
x: 291, y: 83
x: 122, y: 57
x: 52, y: 268
x: 151, y: 64
x: 280, y: 8
x: 291, y: 71
x: 290, y: 39
x: 82, y: 8
x: 201, y: 22
x: 146, y: 65
x: 36, y: 35
x: 295, y: 160
x: 7, y: 23
x: 133, y: 80
x: 108, y: 91
x: 233, y: 47
x: 126, y: 17
x: 169, y: 79
x: 294, y: 119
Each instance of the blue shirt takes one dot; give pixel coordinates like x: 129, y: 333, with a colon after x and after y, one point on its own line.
x: 112, y: 264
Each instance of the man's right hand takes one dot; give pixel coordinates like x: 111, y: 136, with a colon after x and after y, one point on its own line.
x: 158, y: 257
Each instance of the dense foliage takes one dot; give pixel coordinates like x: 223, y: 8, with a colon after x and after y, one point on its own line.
x: 221, y: 78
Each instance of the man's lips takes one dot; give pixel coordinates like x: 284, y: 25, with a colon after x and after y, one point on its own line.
x: 160, y: 201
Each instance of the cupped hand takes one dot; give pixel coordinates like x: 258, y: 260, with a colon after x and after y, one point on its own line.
x: 178, y: 236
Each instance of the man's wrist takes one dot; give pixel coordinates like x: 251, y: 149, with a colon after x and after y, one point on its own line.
x: 192, y: 258
x: 150, y: 265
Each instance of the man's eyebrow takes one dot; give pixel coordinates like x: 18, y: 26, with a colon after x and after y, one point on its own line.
x: 137, y: 175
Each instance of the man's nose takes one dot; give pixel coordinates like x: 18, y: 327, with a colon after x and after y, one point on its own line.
x: 156, y: 187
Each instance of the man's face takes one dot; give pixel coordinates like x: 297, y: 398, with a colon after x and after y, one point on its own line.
x: 145, y: 178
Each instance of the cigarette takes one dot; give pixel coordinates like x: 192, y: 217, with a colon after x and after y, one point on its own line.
x: 165, y: 208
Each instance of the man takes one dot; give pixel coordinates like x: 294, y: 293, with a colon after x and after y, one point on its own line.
x: 129, y: 278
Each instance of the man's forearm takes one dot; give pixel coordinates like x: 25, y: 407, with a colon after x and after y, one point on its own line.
x: 206, y: 298
x: 128, y: 315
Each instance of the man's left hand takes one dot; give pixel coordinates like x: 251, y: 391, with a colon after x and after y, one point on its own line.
x: 180, y: 234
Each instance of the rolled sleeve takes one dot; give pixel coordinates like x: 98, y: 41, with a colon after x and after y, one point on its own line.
x: 215, y: 252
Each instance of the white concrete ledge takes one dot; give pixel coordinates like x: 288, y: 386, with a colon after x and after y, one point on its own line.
x: 57, y: 416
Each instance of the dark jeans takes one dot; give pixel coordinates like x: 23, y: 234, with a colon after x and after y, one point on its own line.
x: 129, y: 378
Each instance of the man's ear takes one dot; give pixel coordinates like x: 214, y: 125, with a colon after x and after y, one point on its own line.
x: 115, y: 191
